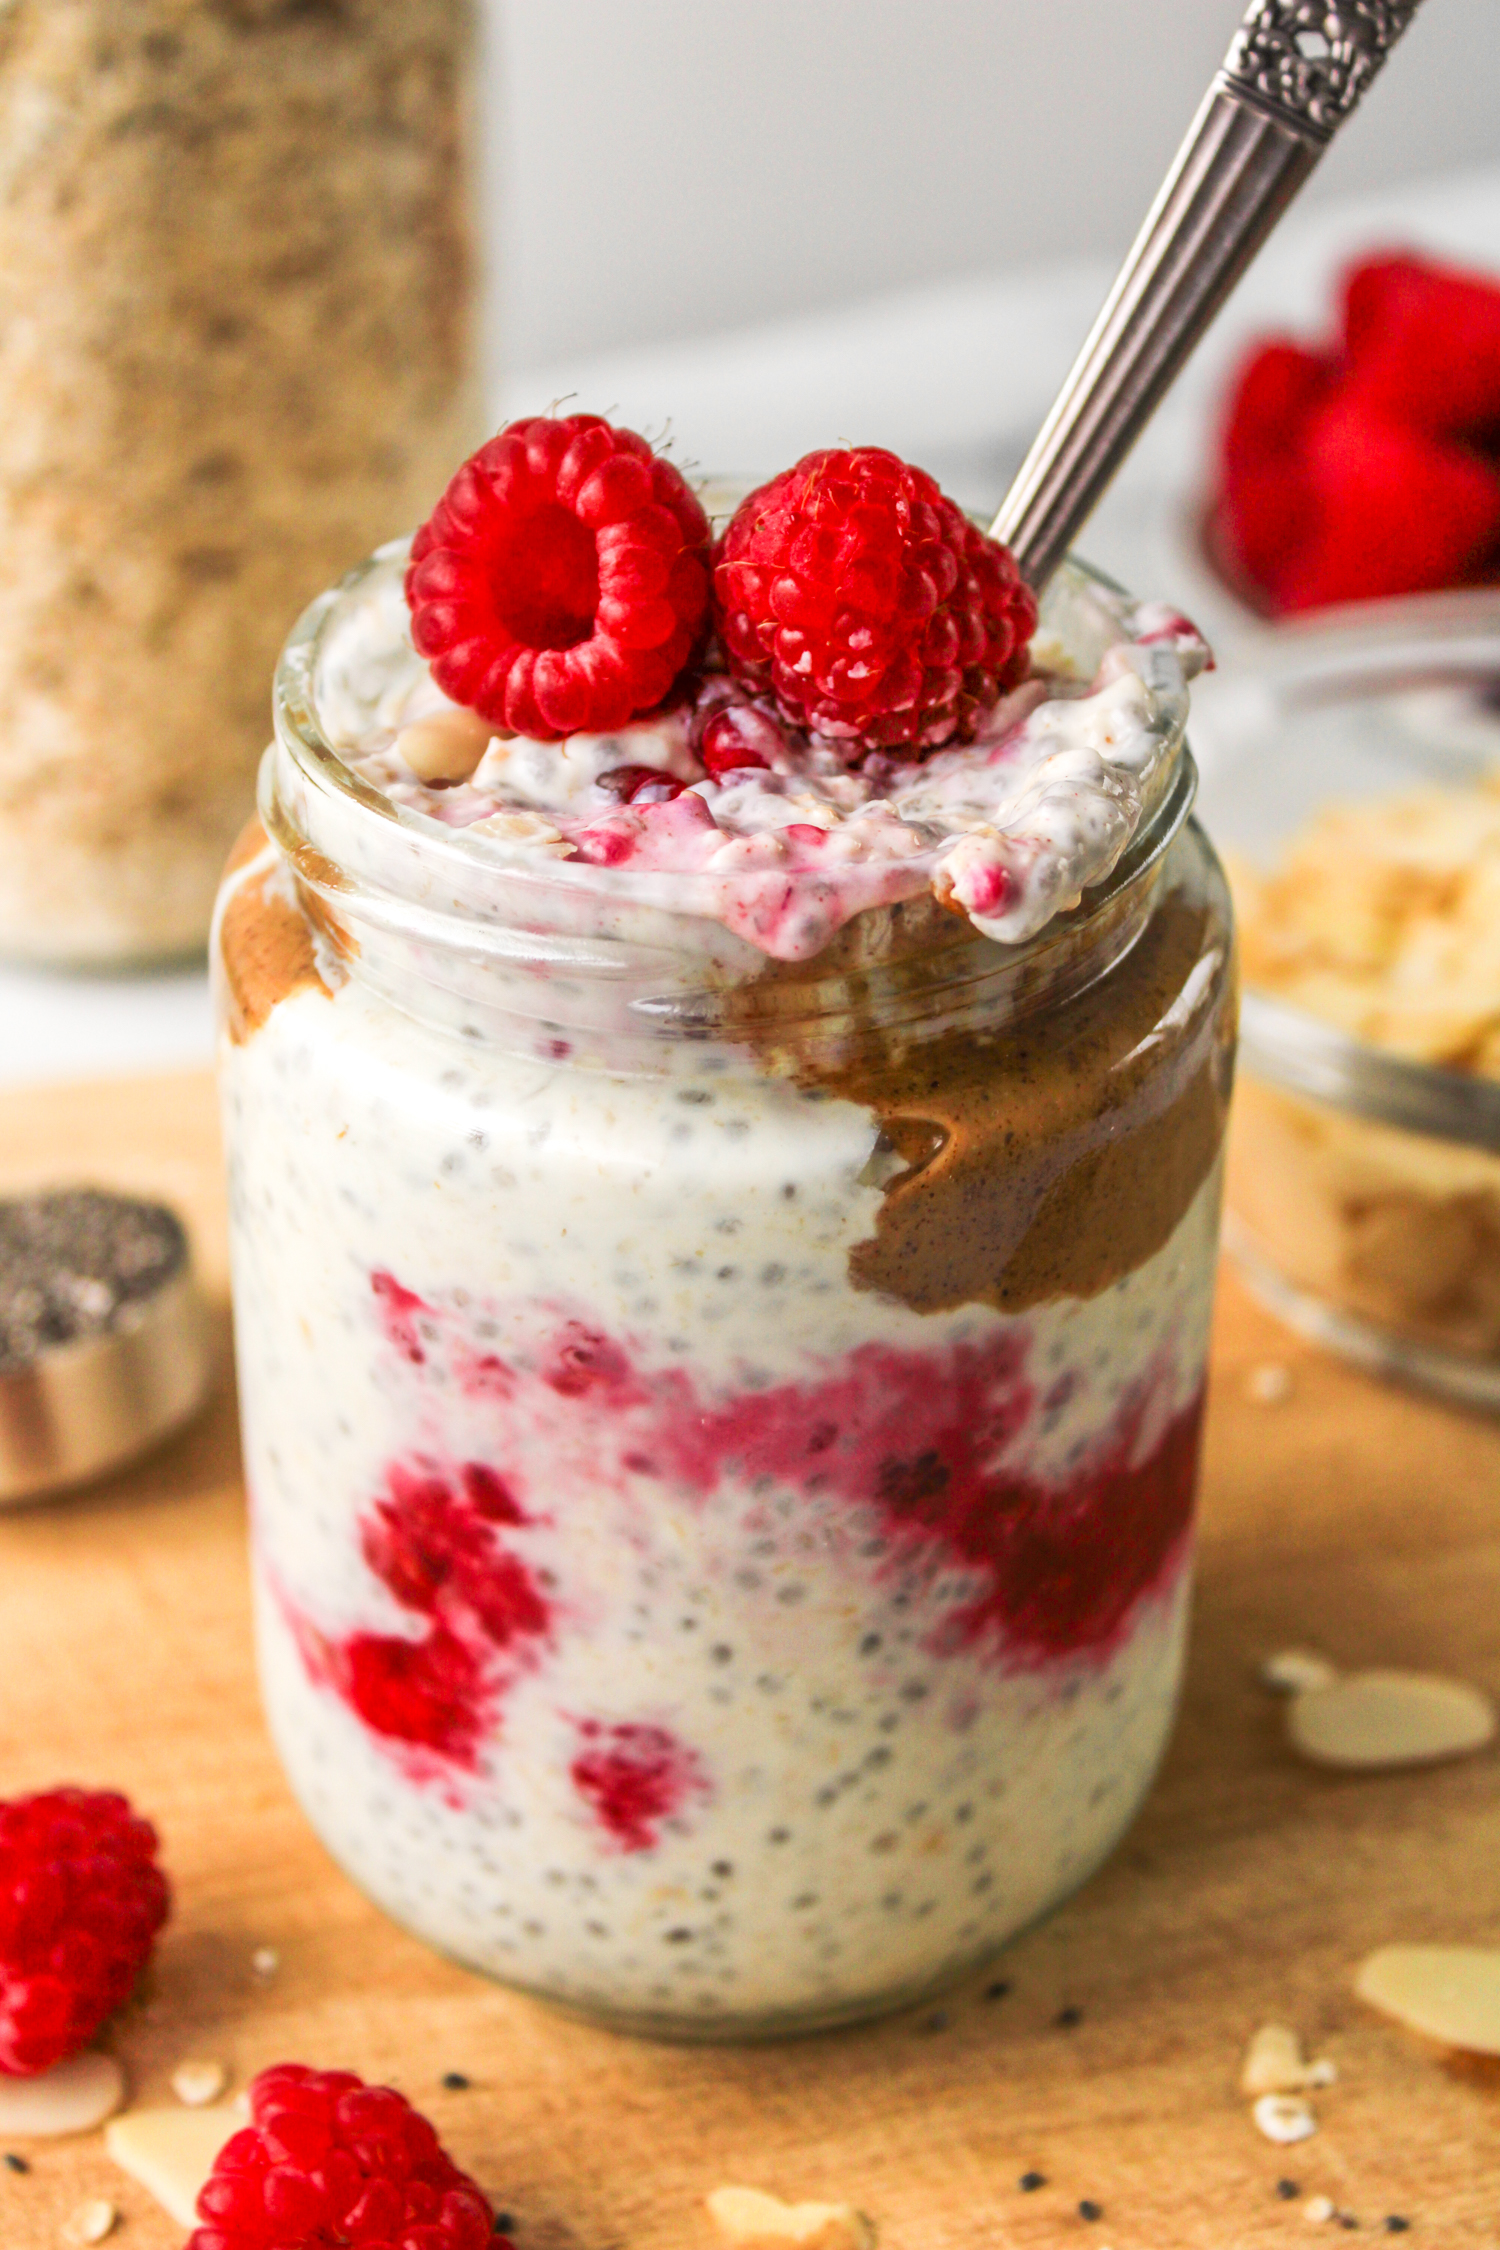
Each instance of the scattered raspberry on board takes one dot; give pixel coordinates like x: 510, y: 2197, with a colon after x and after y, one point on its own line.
x: 81, y: 1901
x: 328, y: 2161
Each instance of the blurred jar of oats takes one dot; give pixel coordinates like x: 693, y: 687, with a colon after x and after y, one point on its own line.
x: 236, y: 348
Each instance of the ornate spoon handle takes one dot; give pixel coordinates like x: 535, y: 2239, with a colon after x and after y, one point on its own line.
x: 1294, y: 71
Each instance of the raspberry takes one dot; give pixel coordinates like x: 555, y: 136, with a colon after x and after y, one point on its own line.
x: 560, y: 584
x: 329, y: 2161
x: 81, y: 1900
x: 868, y: 605
x: 640, y: 785
x: 1371, y: 467
x: 736, y: 740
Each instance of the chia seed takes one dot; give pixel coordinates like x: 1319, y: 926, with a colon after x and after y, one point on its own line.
x: 455, y: 2082
x: 1088, y: 2209
x: 14, y: 2163
x: 1029, y: 2182
x: 73, y: 1260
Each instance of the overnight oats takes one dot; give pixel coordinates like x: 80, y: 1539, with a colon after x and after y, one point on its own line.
x: 724, y: 1129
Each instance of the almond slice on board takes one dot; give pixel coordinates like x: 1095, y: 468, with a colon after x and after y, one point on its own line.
x: 1292, y: 1671
x: 1450, y: 1993
x: 749, y: 2220
x: 72, y: 2097
x: 171, y: 2152
x: 1366, y: 1720
x: 91, y: 2222
x: 1275, y: 2064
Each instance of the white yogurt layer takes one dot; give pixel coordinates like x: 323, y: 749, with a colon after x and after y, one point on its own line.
x: 1009, y: 829
x: 868, y: 1798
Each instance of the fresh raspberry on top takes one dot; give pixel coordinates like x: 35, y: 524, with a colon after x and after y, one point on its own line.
x: 329, y: 2161
x: 868, y: 604
x: 560, y: 585
x: 81, y: 1901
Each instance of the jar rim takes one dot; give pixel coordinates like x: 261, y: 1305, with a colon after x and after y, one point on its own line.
x: 488, y: 894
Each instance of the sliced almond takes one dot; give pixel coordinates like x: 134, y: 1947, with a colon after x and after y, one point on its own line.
x: 445, y: 747
x: 1284, y: 2118
x: 199, y: 2083
x: 751, y: 2221
x: 1366, y: 1720
x: 171, y: 2152
x: 91, y: 2222
x: 1292, y: 1671
x: 73, y: 2097
x: 1450, y: 1993
x: 1273, y: 2062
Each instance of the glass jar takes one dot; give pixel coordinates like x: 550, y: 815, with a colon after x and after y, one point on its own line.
x: 236, y: 347
x: 721, y: 1433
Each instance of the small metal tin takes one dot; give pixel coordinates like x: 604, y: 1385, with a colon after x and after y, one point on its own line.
x: 77, y: 1408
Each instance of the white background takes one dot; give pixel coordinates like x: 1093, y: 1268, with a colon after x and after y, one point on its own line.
x: 667, y: 167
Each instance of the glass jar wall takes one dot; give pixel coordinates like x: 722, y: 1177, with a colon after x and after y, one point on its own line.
x: 721, y: 1433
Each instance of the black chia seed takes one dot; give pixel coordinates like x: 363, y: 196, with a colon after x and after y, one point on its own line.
x: 455, y: 2082
x: 1067, y: 2019
x: 1088, y: 2209
x: 71, y: 1261
x: 1029, y: 2182
x: 1288, y: 2190
x: 14, y: 2163
x: 504, y: 2223
x: 997, y: 1990
x: 1395, y: 2224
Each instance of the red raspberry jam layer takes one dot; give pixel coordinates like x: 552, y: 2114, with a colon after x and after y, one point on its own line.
x: 910, y: 1466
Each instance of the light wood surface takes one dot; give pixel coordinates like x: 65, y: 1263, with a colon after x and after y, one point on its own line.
x: 1348, y: 1517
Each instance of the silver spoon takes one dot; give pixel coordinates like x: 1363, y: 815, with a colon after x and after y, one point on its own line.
x: 1294, y: 71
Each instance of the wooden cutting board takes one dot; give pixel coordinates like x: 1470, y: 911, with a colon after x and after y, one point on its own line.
x: 1347, y: 1516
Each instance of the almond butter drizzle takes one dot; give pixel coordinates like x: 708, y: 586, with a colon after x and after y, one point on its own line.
x: 265, y: 943
x: 1055, y: 1156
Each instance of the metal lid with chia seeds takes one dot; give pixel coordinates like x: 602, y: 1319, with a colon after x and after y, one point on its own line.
x: 103, y: 1343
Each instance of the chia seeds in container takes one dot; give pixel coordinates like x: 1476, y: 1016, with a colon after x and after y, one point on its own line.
x: 102, y: 1343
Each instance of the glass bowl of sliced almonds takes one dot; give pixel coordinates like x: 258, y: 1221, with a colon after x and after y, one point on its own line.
x: 1351, y: 777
